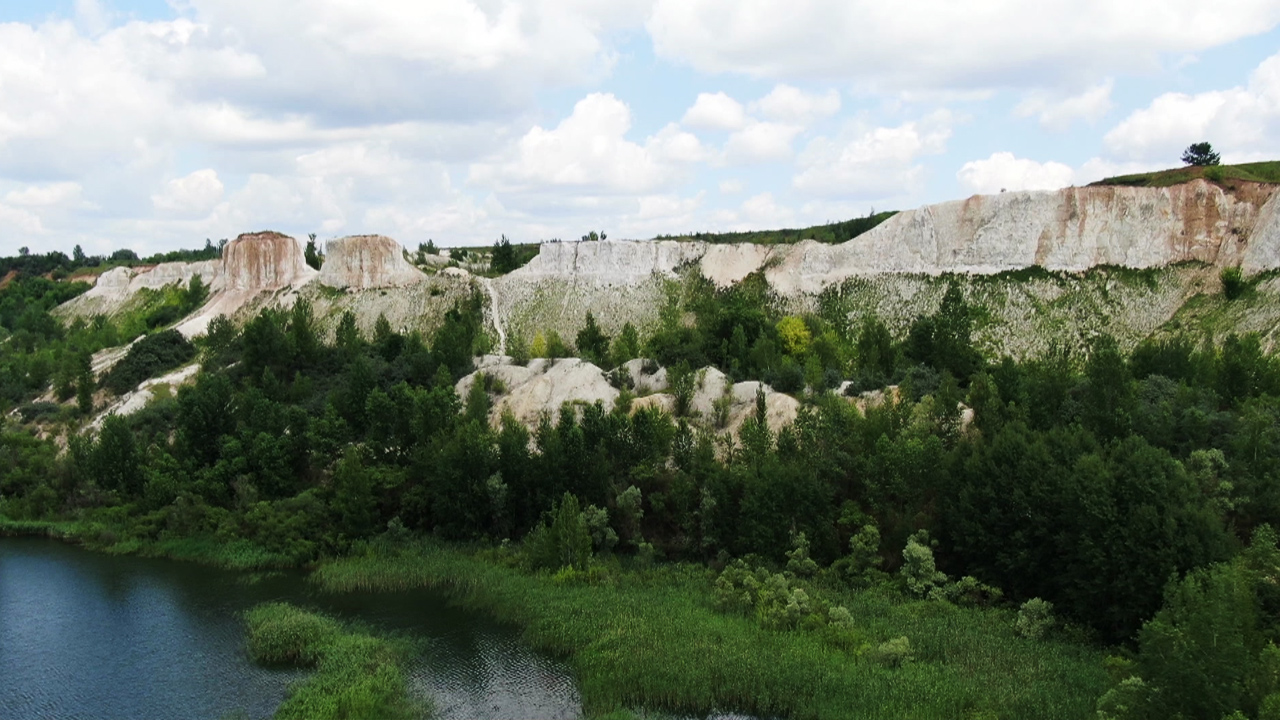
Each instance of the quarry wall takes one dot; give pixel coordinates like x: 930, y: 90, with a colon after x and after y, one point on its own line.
x: 367, y: 261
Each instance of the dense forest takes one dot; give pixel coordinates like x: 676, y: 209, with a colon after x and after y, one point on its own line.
x: 1120, y: 500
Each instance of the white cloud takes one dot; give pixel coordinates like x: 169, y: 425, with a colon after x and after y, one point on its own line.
x: 788, y: 104
x: 589, y: 151
x: 761, y: 142
x: 1058, y: 113
x: 193, y: 195
x: 353, y: 159
x: 445, y: 59
x: 870, y: 163
x: 764, y: 211
x: 731, y: 186
x: 24, y: 222
x: 946, y: 44
x: 50, y: 195
x: 715, y: 111
x: 1241, y: 122
x: 1002, y: 171
x: 674, y: 145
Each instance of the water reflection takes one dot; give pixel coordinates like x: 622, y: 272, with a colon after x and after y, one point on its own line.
x: 85, y: 635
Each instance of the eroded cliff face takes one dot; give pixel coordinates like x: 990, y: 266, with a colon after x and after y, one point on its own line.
x: 1092, y: 237
x: 367, y: 261
x: 263, y: 261
x: 1181, y: 235
x: 1073, y: 229
x: 254, y: 265
x: 117, y: 286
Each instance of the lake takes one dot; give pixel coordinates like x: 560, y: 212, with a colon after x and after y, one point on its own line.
x: 89, y: 635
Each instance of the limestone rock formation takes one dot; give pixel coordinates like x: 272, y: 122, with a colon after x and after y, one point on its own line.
x: 543, y: 386
x: 1072, y: 229
x: 264, y: 261
x: 117, y: 286
x: 367, y: 261
x: 253, y: 265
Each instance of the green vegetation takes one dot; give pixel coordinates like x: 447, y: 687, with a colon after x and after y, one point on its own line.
x: 150, y: 357
x: 357, y: 674
x: 1200, y: 154
x: 894, y: 555
x: 653, y: 637
x: 1263, y: 172
x: 837, y: 232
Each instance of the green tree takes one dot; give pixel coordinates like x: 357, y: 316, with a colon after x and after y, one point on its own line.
x: 115, y: 460
x: 592, y: 343
x: 627, y: 345
x: 347, y: 336
x: 302, y: 333
x: 196, y: 293
x: 312, y: 253
x: 795, y: 336
x: 1109, y: 395
x: 1200, y: 154
x: 566, y: 542
x: 84, y: 385
x: 503, y: 258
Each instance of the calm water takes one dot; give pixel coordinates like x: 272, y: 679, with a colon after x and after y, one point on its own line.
x: 86, y: 635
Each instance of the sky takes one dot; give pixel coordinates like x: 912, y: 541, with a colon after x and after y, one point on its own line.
x: 154, y: 125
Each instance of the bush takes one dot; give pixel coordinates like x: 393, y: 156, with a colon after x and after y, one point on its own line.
x: 566, y: 542
x: 1233, y: 283
x: 1035, y: 617
x: 893, y: 653
x: 918, y: 568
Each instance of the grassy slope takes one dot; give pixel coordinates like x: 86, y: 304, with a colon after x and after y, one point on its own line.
x: 650, y: 638
x: 1265, y: 172
x: 837, y: 232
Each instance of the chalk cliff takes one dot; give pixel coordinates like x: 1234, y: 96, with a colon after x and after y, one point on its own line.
x: 367, y: 261
x: 1072, y: 229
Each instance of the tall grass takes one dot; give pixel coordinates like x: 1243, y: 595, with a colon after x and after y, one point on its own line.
x: 357, y: 676
x: 651, y: 639
x: 118, y: 537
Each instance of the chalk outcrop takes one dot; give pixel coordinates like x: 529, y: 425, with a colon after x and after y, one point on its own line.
x: 264, y: 261
x: 117, y: 286
x: 1073, y: 229
x: 367, y: 261
x: 253, y: 265
x: 543, y: 386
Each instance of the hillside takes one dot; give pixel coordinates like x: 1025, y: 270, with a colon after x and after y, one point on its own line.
x: 1226, y: 175
x: 943, y: 466
x: 1045, y: 268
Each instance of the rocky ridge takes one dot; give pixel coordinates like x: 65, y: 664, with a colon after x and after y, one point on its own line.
x: 1070, y: 230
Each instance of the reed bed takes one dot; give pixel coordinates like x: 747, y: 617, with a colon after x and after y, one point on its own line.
x: 651, y: 639
x: 358, y: 675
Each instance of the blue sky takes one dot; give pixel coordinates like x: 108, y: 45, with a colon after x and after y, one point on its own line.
x: 155, y: 125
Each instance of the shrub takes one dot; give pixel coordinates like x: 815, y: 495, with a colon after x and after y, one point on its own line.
x: 1035, y: 617
x: 893, y: 653
x: 566, y: 542
x: 1233, y: 283
x: 918, y: 567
